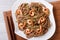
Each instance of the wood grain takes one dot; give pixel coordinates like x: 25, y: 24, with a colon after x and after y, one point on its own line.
x: 56, y: 12
x: 7, y: 28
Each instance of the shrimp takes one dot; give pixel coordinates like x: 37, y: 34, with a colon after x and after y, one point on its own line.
x: 41, y: 20
x: 30, y: 22
x: 22, y: 25
x: 31, y: 13
x: 18, y: 12
x: 28, y: 31
x: 46, y: 10
x: 39, y: 30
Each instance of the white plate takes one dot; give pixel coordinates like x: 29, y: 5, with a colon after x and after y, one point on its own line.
x: 51, y: 29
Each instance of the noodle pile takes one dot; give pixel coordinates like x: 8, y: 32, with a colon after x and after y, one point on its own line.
x: 33, y: 19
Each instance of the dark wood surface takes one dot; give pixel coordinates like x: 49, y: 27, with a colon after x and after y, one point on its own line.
x: 10, y: 26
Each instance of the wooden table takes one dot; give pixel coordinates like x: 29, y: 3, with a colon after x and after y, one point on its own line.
x: 10, y: 25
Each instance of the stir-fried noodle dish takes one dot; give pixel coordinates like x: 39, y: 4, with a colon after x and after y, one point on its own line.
x: 33, y: 19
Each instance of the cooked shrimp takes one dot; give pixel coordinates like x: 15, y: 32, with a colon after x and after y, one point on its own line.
x: 22, y: 25
x: 46, y: 10
x: 18, y: 12
x: 42, y: 19
x: 28, y: 31
x: 31, y: 13
x: 30, y: 22
x: 39, y: 30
